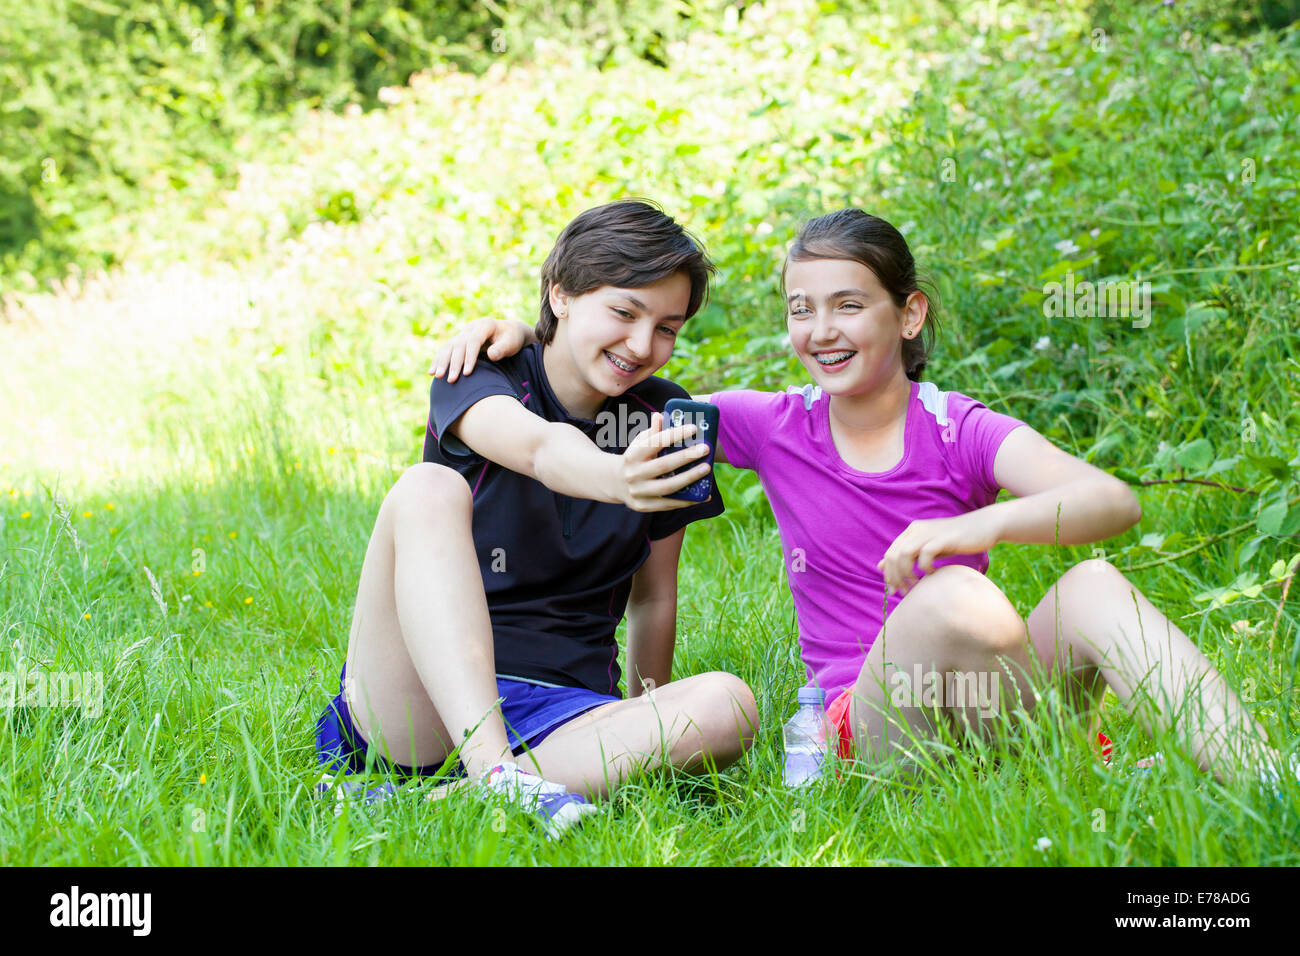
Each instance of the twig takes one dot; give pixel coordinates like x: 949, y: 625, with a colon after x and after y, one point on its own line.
x: 1197, y: 547
x: 1192, y: 550
x: 1264, y: 266
x: 1277, y: 618
x: 1198, y: 481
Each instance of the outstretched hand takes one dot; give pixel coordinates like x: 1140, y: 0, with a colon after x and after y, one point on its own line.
x: 924, y: 542
x: 457, y: 356
x: 641, y: 473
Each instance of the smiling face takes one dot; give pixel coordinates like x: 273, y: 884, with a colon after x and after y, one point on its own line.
x: 844, y: 325
x: 609, y: 339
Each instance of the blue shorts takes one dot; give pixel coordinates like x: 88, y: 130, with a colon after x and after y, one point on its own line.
x: 531, y: 711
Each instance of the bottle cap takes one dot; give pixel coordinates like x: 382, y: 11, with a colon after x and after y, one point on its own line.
x: 811, y: 695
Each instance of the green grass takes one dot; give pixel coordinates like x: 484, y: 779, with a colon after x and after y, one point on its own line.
x: 157, y: 425
x: 204, y: 750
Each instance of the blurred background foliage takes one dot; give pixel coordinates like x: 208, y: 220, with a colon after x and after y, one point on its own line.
x: 124, y: 95
x: 113, y: 100
x: 382, y: 171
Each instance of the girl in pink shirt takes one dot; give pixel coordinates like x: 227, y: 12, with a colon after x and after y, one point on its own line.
x: 884, y: 489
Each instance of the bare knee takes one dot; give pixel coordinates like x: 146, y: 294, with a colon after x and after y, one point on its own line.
x: 724, y: 708
x: 1086, y: 577
x: 973, y: 611
x: 1081, y: 591
x: 429, y: 487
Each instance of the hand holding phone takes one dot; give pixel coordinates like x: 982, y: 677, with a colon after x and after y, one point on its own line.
x: 705, y: 417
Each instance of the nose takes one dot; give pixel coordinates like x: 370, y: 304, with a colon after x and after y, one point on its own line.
x: 638, y: 341
x: 823, y: 331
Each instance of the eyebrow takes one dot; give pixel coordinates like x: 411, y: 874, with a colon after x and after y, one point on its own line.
x: 834, y: 295
x: 645, y: 308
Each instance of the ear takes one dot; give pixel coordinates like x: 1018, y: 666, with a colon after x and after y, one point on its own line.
x: 559, y: 300
x: 915, y: 310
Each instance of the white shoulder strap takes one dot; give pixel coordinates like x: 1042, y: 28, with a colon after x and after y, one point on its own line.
x: 811, y: 393
x: 934, y: 401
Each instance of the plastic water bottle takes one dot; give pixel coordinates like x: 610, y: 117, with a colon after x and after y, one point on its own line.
x: 805, y: 739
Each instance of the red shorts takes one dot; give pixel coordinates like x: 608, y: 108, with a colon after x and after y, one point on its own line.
x: 838, y: 714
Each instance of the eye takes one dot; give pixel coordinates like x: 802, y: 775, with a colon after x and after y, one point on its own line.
x: 623, y: 314
x: 669, y: 329
x: 800, y: 310
x: 851, y: 305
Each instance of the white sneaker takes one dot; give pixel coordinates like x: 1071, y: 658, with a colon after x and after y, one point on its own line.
x: 1273, y: 777
x: 366, y: 793
x: 550, y: 803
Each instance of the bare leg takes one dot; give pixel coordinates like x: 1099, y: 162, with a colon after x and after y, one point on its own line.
x: 954, y: 622
x: 708, y: 717
x: 1095, y: 626
x: 420, y: 666
x: 422, y: 676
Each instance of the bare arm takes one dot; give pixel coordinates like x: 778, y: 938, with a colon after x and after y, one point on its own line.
x: 565, y: 460
x: 652, y: 617
x: 1060, y: 500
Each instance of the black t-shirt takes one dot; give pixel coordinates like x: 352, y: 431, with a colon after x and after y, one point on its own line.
x: 557, y: 570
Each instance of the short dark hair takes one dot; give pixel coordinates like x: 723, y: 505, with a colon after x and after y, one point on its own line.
x: 870, y: 240
x: 631, y: 243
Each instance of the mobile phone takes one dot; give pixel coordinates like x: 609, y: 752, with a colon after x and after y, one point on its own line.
x: 704, y: 416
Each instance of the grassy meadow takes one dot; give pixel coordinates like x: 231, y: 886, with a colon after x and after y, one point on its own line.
x: 195, y: 442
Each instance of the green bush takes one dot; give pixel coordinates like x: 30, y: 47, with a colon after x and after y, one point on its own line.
x: 105, y: 103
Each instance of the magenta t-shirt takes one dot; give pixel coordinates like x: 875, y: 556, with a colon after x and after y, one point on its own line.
x: 836, y: 522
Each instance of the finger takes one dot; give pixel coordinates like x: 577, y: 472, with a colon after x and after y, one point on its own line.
x: 893, y: 579
x: 672, y: 436
x: 663, y: 504
x: 667, y: 486
x: 916, y: 557
x: 902, y: 569
x: 659, y: 503
x: 889, y: 565
x: 902, y: 557
x: 640, y: 449
x: 662, y: 464
x: 909, y: 580
x: 909, y: 572
x: 649, y: 443
x: 471, y: 356
x: 456, y: 362
x: 656, y: 426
